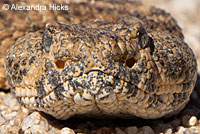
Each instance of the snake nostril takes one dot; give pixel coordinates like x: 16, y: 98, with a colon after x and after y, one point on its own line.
x: 130, y: 62
x: 60, y: 64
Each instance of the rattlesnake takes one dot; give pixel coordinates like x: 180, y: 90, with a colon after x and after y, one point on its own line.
x: 123, y: 60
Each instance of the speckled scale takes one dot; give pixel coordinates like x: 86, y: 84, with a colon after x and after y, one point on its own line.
x: 17, y: 26
x: 103, y: 68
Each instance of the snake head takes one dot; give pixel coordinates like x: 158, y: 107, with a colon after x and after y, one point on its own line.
x: 105, y: 68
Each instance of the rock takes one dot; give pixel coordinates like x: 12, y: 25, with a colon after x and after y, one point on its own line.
x: 119, y: 131
x: 66, y: 130
x: 37, y: 129
x: 168, y: 131
x: 2, y: 120
x: 131, y: 130
x: 181, y: 129
x: 9, y: 116
x: 188, y: 120
x: 31, y: 120
x: 162, y: 128
x: 175, y: 123
x: 146, y: 130
x: 35, y: 123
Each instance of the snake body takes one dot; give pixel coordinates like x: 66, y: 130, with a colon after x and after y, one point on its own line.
x: 112, y: 67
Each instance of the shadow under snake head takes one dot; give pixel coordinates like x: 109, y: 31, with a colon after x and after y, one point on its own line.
x: 101, y: 69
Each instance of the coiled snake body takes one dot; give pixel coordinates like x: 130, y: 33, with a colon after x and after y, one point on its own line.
x: 121, y: 67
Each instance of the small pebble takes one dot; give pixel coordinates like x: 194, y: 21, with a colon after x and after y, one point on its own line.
x: 31, y: 120
x: 2, y: 120
x: 168, y: 131
x: 181, y: 129
x: 27, y: 131
x: 37, y: 129
x: 146, y: 130
x: 175, y: 123
x: 12, y: 122
x: 119, y: 131
x: 103, y: 130
x: 2, y: 107
x: 162, y: 127
x: 10, y: 115
x: 131, y: 130
x: 66, y: 130
x: 188, y: 120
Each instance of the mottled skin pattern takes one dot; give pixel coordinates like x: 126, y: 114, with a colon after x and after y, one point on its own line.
x: 102, y: 69
x: 14, y: 24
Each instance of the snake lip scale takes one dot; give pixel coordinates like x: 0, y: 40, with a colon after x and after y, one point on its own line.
x: 103, y: 68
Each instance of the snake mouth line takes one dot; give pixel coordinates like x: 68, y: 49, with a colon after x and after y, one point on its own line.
x: 93, y: 70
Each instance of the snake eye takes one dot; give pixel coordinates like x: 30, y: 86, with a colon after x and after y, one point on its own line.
x: 130, y: 62
x: 60, y: 64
